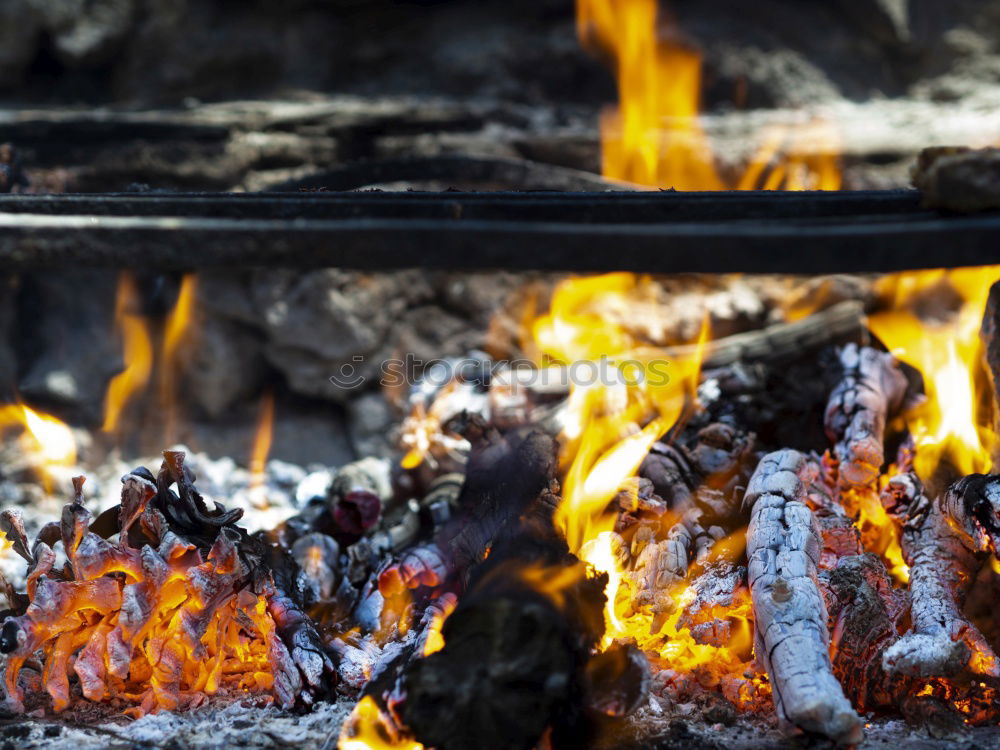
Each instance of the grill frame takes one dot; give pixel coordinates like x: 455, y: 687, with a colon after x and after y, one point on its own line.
x: 662, y: 232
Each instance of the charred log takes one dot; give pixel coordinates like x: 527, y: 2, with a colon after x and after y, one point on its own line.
x: 872, y: 389
x: 514, y: 660
x: 865, y: 614
x: 783, y: 549
x: 945, y: 541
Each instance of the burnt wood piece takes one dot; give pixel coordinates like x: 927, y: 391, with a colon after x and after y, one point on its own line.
x: 989, y: 334
x: 865, y: 612
x: 837, y: 242
x: 514, y: 661
x: 783, y: 551
x: 945, y: 541
x: 841, y: 322
x: 871, y: 390
x: 507, y: 484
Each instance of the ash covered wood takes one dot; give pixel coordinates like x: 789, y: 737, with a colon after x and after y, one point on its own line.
x: 945, y: 541
x: 783, y: 549
x: 871, y: 390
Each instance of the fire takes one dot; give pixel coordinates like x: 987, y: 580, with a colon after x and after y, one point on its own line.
x: 46, y: 438
x: 173, y: 626
x: 368, y: 729
x: 613, y: 418
x: 137, y: 352
x: 951, y: 430
x: 654, y: 137
x: 262, y: 442
x: 624, y: 395
x: 174, y: 334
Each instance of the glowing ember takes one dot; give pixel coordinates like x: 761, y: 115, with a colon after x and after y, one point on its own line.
x: 152, y: 618
x: 654, y: 137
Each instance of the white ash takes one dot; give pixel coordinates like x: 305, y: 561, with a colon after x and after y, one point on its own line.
x: 238, y: 724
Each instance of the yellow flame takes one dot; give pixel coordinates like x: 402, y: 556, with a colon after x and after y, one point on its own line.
x: 654, y: 136
x: 624, y: 395
x: 45, y: 437
x: 367, y: 729
x: 137, y: 352
x: 950, y: 427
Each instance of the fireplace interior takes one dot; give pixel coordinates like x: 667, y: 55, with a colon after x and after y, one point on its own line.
x: 454, y: 374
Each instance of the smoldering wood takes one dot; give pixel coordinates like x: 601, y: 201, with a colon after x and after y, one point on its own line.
x: 513, y: 663
x: 945, y: 541
x: 783, y: 550
x: 866, y: 613
x: 717, y: 589
x: 161, y: 533
x: 871, y: 390
x: 989, y: 334
x: 841, y: 322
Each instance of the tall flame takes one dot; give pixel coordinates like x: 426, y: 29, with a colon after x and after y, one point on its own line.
x: 951, y: 429
x: 624, y: 395
x: 176, y: 330
x: 654, y: 137
x: 137, y: 352
x: 262, y: 441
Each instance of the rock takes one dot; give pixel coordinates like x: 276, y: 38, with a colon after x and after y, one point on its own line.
x: 8, y: 323
x: 959, y: 179
x: 370, y: 420
x: 70, y: 351
x: 19, y: 30
x: 224, y: 365
x: 85, y: 32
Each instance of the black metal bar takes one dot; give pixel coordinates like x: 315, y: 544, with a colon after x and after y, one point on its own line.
x: 790, y: 245
x: 605, y: 207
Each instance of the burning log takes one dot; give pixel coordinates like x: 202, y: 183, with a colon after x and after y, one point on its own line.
x: 783, y: 549
x: 945, y: 543
x: 836, y: 324
x: 871, y: 390
x: 865, y: 614
x: 181, y: 606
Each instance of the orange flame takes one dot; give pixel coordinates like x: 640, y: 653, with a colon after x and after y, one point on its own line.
x: 262, y: 442
x: 47, y: 439
x: 610, y: 423
x: 176, y: 330
x: 654, y: 137
x: 367, y: 729
x: 137, y: 352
